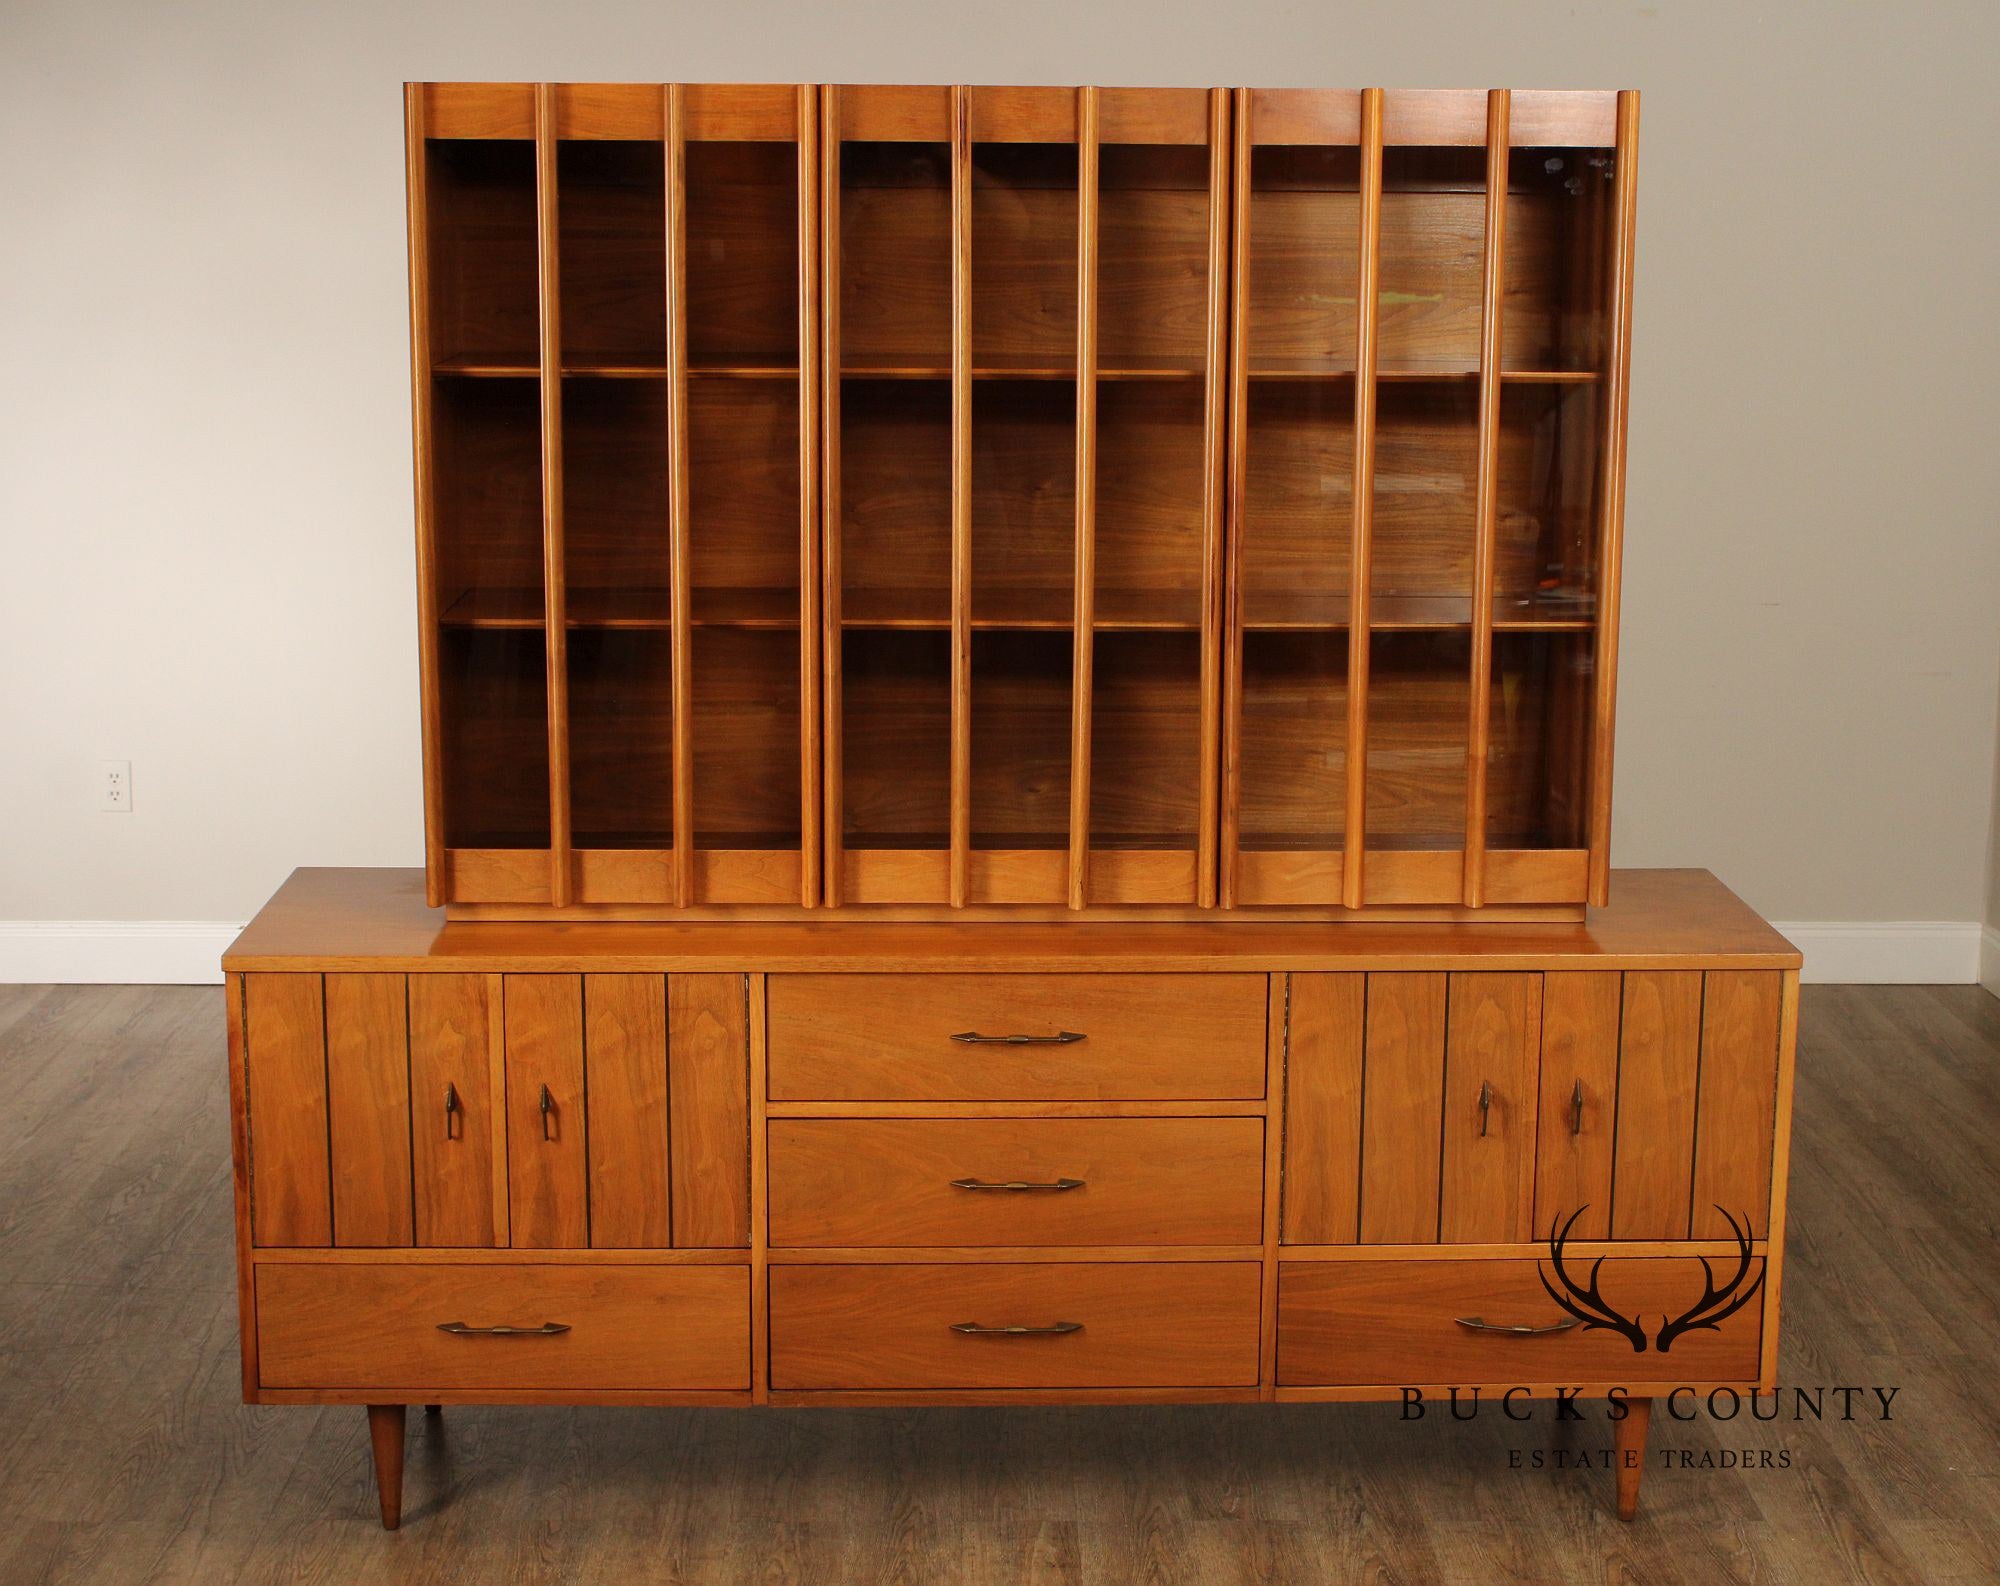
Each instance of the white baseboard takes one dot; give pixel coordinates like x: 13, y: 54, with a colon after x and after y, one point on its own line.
x: 114, y: 952
x: 1887, y: 952
x: 188, y: 952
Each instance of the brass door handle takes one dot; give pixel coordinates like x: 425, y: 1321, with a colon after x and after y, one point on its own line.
x: 450, y: 1110
x: 1576, y: 1110
x: 1485, y: 1106
x: 546, y: 1330
x: 1479, y: 1324
x: 1053, y: 1330
x: 1056, y: 1187
x: 974, y: 1038
x: 548, y: 1106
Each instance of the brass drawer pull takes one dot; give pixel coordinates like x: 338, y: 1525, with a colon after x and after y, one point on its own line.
x: 546, y: 1330
x: 450, y: 1110
x: 1018, y: 1185
x: 1481, y: 1325
x: 1485, y: 1105
x: 548, y: 1107
x: 1060, y: 1038
x: 973, y: 1329
x: 1576, y: 1110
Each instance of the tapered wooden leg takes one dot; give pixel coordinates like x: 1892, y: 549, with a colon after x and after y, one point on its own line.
x: 385, y: 1433
x: 1629, y: 1437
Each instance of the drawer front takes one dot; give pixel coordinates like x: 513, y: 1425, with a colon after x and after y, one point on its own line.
x: 1374, y: 1323
x: 1124, y: 1325
x: 906, y: 1181
x: 378, y: 1326
x: 897, y: 1037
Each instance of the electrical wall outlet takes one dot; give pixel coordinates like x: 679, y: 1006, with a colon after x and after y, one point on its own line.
x: 114, y: 786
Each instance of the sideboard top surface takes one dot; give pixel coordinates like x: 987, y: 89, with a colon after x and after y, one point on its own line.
x: 324, y: 919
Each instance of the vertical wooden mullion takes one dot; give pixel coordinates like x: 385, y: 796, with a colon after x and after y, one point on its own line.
x: 680, y: 607
x: 1499, y: 104
x: 1083, y: 635
x: 416, y: 171
x: 1238, y: 289
x: 811, y: 760
x: 961, y: 497
x: 833, y: 820
x: 1611, y: 525
x: 1215, y: 486
x: 1361, y: 545
x: 555, y: 646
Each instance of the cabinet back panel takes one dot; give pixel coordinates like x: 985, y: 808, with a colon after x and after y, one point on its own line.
x: 1024, y: 281
x: 1294, y: 737
x: 1152, y: 261
x: 895, y: 739
x: 895, y: 253
x: 895, y: 487
x: 742, y: 253
x: 1418, y: 699
x: 494, y: 688
x: 1145, y: 740
x: 615, y: 489
x: 482, y: 248
x: 746, y: 737
x: 1020, y: 739
x: 1150, y: 491
x: 611, y: 226
x: 743, y: 484
x: 1023, y: 488
x: 621, y: 738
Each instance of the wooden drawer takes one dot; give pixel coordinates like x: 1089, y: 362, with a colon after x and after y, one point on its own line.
x: 896, y: 1037
x: 377, y: 1326
x: 1374, y: 1323
x: 1137, y: 1325
x: 896, y: 1181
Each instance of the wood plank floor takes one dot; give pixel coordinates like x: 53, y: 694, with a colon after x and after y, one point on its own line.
x: 125, y: 1456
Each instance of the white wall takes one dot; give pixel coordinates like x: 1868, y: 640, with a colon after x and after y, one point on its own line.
x: 204, y: 456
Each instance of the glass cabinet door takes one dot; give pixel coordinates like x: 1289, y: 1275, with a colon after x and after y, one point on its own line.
x: 1563, y: 356
x: 616, y: 386
x: 1425, y: 345
x: 1295, y: 348
x: 1023, y: 421
x: 887, y: 228
x: 475, y: 255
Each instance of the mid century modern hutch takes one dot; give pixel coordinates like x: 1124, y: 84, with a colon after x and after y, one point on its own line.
x: 1017, y: 710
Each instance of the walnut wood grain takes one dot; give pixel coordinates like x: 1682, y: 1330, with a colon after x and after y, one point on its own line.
x: 452, y: 1154
x: 284, y: 1023
x: 1573, y: 1150
x: 896, y: 1181
x: 1492, y: 1054
x: 888, y: 1037
x: 1396, y: 1322
x: 1183, y: 1324
x: 625, y: 1078
x: 361, y: 1327
x: 547, y: 1156
x: 368, y: 1108
x: 708, y: 1073
x: 1659, y: 1056
x: 1402, y: 1121
x: 1736, y: 1102
x: 1323, y: 1108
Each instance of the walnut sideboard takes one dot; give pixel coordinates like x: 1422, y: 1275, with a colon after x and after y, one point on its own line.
x: 896, y: 1163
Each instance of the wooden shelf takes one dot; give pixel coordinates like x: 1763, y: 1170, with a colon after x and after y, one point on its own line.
x: 1116, y: 610
x: 643, y: 608
x: 486, y: 366
x: 1409, y: 374
x: 1304, y: 611
x: 1123, y: 369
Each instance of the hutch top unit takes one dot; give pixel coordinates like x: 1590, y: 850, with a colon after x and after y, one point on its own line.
x: 1020, y: 500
